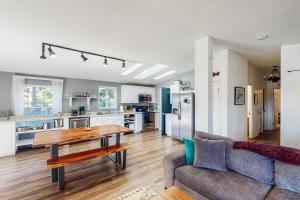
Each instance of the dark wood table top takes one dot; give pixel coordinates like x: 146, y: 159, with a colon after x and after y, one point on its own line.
x: 76, y: 135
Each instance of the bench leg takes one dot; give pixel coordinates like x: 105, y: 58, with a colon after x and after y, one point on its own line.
x: 61, y: 178
x: 124, y: 159
x: 54, y: 154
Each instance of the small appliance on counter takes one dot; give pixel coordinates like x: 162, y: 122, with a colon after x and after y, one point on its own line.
x: 82, y: 110
x: 142, y: 108
x: 74, y: 112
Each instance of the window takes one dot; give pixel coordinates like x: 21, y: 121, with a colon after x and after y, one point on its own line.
x: 38, y: 100
x: 107, y: 97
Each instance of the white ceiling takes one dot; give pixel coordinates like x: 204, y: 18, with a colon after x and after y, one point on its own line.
x: 146, y: 31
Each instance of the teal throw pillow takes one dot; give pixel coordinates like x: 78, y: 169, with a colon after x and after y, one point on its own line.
x: 189, y: 151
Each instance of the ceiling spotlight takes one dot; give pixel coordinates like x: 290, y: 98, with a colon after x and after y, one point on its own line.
x: 43, y: 56
x: 262, y: 36
x: 123, y: 65
x: 52, y: 54
x: 105, y: 64
x: 84, y: 59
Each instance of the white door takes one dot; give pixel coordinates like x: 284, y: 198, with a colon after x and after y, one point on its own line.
x: 216, y: 109
x: 250, y: 96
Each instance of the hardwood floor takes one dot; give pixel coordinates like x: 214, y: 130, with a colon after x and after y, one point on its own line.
x: 25, y: 176
x: 268, y: 137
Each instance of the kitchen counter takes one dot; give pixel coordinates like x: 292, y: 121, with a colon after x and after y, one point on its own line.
x: 64, y: 116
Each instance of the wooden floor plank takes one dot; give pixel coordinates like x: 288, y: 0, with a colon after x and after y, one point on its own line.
x: 25, y: 176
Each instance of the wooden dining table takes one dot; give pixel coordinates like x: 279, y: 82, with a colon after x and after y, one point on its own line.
x: 76, y: 135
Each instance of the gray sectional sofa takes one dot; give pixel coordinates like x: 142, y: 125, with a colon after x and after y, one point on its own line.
x: 249, y: 177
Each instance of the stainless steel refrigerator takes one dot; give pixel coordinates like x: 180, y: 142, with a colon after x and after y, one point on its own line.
x: 183, y: 121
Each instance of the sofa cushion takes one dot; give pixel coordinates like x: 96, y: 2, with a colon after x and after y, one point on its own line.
x: 210, y: 154
x: 221, y: 185
x: 287, y: 176
x: 280, y: 194
x: 251, y: 164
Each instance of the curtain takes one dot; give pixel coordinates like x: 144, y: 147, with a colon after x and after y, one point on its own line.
x: 18, y: 86
x: 57, y: 85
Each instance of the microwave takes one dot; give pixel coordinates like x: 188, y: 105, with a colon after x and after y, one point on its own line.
x: 145, y: 98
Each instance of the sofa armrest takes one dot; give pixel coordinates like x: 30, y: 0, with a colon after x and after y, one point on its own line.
x: 171, y: 162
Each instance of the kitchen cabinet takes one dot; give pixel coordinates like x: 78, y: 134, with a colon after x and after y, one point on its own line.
x: 105, y: 120
x: 130, y: 93
x: 138, y: 122
x: 8, y: 138
x: 169, y: 124
x: 157, y: 120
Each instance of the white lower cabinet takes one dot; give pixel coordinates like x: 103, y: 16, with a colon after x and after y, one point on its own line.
x: 157, y: 120
x: 138, y: 122
x: 169, y: 124
x: 105, y: 120
x: 8, y: 138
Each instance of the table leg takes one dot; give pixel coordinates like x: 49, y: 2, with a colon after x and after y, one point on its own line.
x: 106, y: 141
x: 102, y: 142
x: 54, y: 154
x: 118, y: 154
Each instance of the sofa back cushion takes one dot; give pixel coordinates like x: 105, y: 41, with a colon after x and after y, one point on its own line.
x: 287, y: 176
x: 245, y: 162
x: 251, y: 164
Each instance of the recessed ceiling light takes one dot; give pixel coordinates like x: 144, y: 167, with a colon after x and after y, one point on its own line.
x: 150, y: 71
x: 131, y: 69
x: 262, y: 36
x: 164, y: 75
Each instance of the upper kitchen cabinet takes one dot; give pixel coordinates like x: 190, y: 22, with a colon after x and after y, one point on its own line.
x: 130, y: 93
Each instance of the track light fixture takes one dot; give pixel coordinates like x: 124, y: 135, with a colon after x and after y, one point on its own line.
x: 83, y: 57
x: 51, y: 52
x: 123, y: 65
x: 105, y: 64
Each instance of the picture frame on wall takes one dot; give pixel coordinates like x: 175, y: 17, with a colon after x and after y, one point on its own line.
x: 239, y: 96
x: 255, y: 100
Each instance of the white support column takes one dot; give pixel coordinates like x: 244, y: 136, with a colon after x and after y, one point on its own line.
x: 203, y: 84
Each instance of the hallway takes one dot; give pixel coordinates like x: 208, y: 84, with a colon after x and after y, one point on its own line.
x: 268, y: 137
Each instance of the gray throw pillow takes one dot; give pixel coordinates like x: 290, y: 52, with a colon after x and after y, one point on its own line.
x: 210, y: 154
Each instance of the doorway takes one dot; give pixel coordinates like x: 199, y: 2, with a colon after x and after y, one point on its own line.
x: 255, y: 111
x: 276, y: 109
x: 216, y: 108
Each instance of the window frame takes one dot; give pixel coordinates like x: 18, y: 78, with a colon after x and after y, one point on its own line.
x: 115, y: 95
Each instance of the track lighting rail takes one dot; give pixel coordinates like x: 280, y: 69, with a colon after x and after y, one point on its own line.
x: 83, y: 53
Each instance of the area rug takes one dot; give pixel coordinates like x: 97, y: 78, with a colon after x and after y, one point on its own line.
x: 143, y: 193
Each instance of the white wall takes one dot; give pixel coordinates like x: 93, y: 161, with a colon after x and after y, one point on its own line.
x: 203, y: 84
x: 237, y: 115
x: 290, y: 96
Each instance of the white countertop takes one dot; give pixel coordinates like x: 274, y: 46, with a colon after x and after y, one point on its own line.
x: 64, y: 116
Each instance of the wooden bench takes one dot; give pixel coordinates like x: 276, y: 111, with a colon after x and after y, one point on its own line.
x: 61, y: 161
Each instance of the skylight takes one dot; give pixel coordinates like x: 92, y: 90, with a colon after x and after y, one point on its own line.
x: 131, y: 69
x: 150, y: 71
x: 164, y: 75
